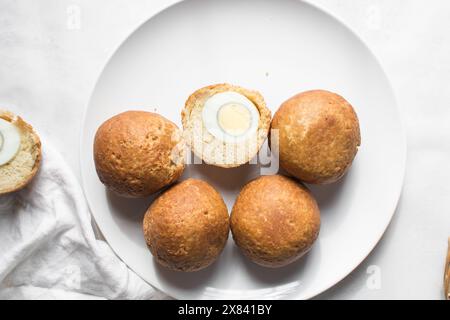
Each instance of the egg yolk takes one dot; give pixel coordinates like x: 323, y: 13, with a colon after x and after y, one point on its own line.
x: 234, y: 118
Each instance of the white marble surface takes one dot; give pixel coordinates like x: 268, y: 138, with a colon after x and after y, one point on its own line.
x: 51, y: 53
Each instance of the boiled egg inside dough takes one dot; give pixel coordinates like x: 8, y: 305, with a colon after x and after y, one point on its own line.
x: 9, y: 141
x: 230, y: 116
x: 225, y: 125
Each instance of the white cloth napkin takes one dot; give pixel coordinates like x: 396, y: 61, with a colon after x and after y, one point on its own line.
x: 47, y: 245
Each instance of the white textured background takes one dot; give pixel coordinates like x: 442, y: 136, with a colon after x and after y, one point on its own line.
x: 52, y: 51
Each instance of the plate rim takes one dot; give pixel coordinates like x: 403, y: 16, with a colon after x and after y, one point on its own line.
x: 402, y: 135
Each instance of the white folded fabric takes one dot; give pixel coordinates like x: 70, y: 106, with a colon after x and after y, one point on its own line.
x: 48, y: 249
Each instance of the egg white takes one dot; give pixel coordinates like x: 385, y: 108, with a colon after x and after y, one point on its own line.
x: 211, y: 110
x: 9, y: 141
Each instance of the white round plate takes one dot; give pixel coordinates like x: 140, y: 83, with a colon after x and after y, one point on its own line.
x: 279, y: 48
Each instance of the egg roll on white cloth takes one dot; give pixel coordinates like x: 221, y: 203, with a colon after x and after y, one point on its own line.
x: 48, y: 249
